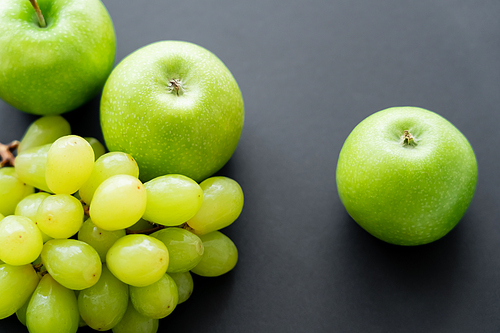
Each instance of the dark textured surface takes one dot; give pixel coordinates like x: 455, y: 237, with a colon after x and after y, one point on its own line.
x: 309, y: 72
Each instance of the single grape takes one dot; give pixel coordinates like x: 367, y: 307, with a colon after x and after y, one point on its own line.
x: 185, y: 285
x: 103, y: 305
x: 28, y: 207
x: 118, y: 202
x: 97, y: 147
x: 157, y: 300
x: 172, y: 199
x: 21, y: 241
x: 72, y: 263
x: 31, y: 166
x: 60, y: 216
x: 185, y: 249
x: 52, y: 308
x: 110, y: 164
x: 134, y: 322
x: 222, y: 204
x: 69, y: 164
x: 1, y: 217
x: 220, y: 255
x: 101, y: 240
x: 16, y: 285
x: 44, y: 130
x: 12, y: 190
x: 138, y: 260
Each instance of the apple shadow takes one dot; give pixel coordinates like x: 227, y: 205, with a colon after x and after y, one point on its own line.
x: 411, y: 288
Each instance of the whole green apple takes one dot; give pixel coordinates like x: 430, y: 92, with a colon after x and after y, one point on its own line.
x: 406, y: 175
x: 56, y: 68
x: 175, y: 107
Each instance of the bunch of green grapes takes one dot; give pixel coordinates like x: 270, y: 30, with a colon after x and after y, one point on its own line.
x: 83, y: 242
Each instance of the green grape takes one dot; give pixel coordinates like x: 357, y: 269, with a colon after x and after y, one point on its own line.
x: 222, y: 204
x: 21, y: 312
x: 60, y: 216
x: 134, y: 322
x: 141, y: 225
x: 110, y: 164
x: 72, y: 263
x: 138, y: 260
x: 12, y: 190
x: 220, y: 255
x: 157, y: 300
x: 21, y: 241
x: 69, y: 164
x: 97, y: 147
x: 31, y: 165
x: 44, y: 130
x: 172, y: 199
x: 101, y: 240
x: 185, y: 249
x: 52, y: 308
x: 28, y: 207
x: 103, y: 305
x: 1, y: 217
x: 185, y: 285
x: 118, y: 202
x: 16, y: 285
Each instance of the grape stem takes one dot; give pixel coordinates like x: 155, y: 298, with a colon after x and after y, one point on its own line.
x: 186, y: 227
x: 7, y: 157
x: 86, y: 208
x: 145, y: 231
x: 38, y: 269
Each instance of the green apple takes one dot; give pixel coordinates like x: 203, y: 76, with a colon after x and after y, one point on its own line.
x: 406, y: 175
x: 54, y: 69
x: 175, y: 107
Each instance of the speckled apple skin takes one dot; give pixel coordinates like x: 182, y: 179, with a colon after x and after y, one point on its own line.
x: 58, y: 68
x: 194, y: 133
x: 406, y: 195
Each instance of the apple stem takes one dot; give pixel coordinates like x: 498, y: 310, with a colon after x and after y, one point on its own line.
x: 176, y: 87
x: 6, y: 155
x: 39, y: 14
x: 408, y: 139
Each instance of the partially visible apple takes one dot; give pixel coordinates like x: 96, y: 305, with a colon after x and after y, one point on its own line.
x: 406, y: 175
x: 175, y: 107
x: 56, y: 68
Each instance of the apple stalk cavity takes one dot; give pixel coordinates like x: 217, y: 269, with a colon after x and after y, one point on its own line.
x: 408, y: 139
x: 175, y: 87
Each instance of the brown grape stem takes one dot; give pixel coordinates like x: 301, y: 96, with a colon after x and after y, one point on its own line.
x: 86, y: 208
x: 186, y: 227
x: 7, y: 157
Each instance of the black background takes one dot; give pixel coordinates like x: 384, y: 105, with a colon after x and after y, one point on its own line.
x: 309, y: 72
